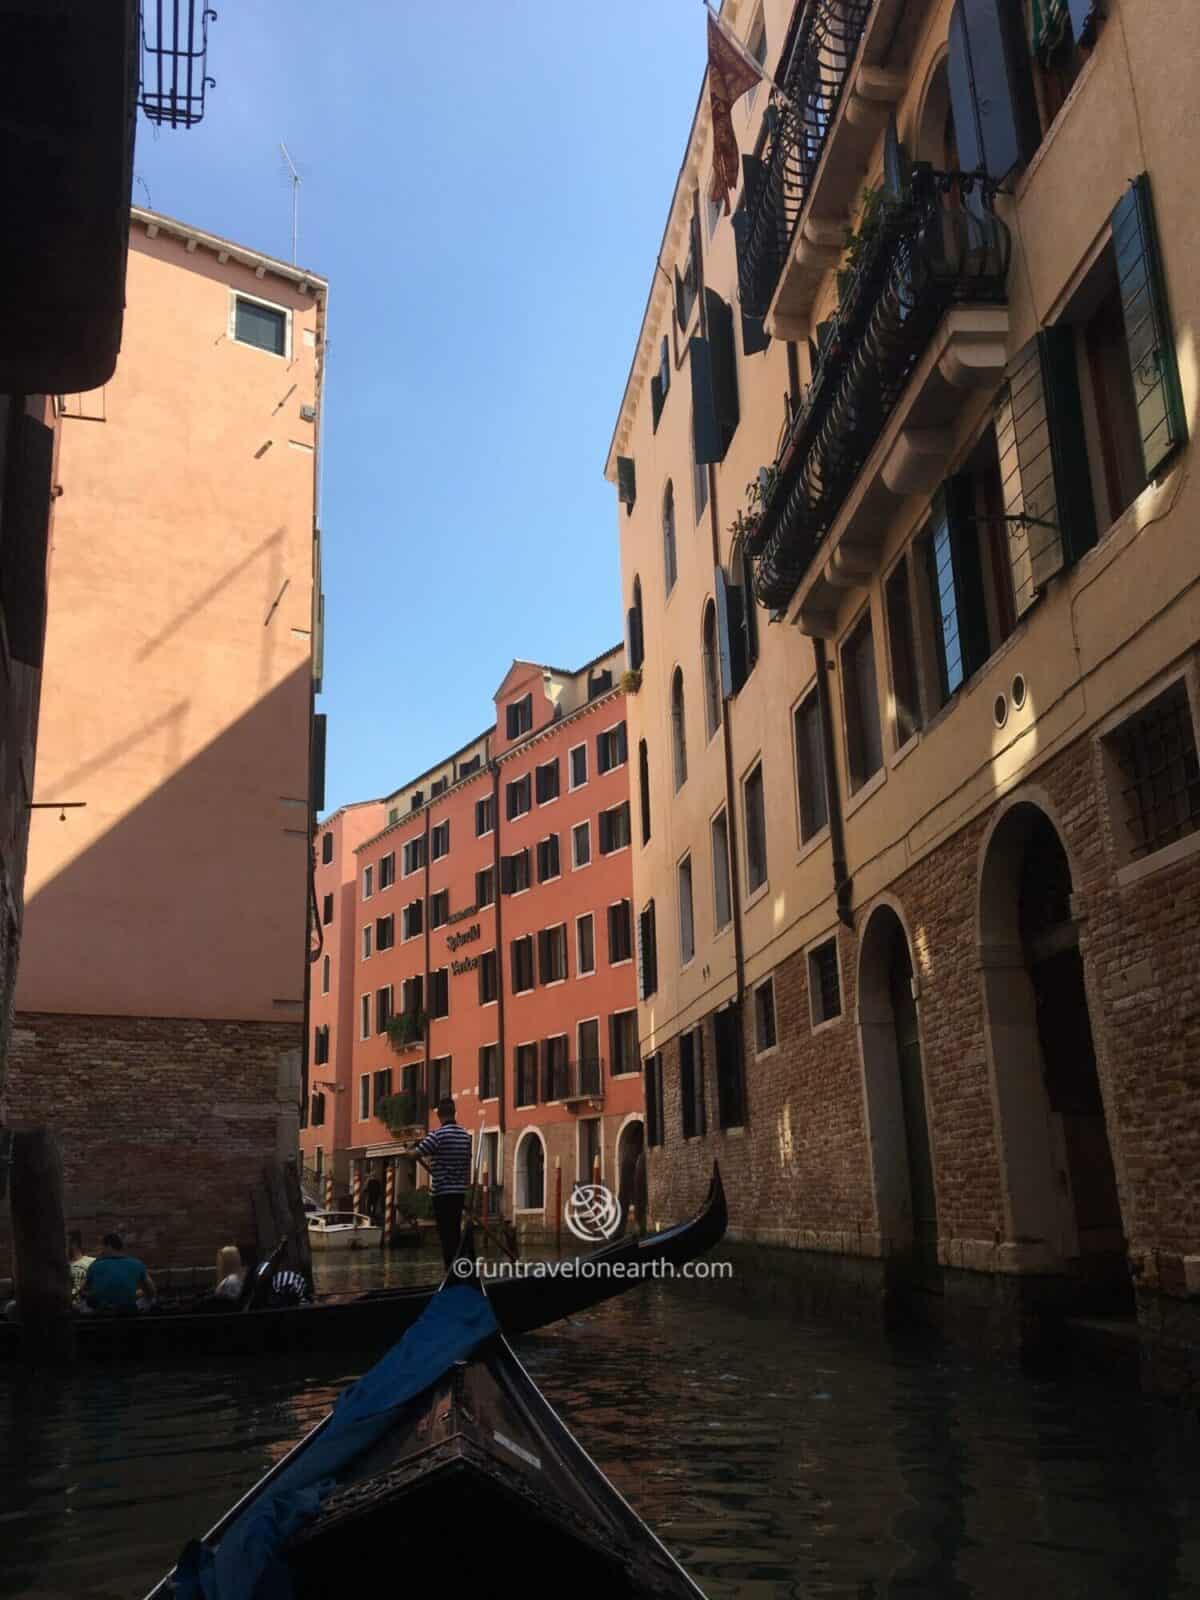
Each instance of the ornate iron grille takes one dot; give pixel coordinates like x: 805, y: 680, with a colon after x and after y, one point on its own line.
x: 175, y: 61
x: 925, y: 256
x: 1160, y: 790
x: 814, y: 76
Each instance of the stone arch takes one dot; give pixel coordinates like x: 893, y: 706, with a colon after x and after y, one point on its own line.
x: 529, y: 1171
x: 631, y: 1186
x: 894, y: 1087
x: 1061, y: 1205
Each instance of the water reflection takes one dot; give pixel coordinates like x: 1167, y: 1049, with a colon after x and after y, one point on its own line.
x: 774, y: 1458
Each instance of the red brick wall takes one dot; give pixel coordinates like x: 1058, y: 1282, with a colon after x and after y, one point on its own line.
x: 164, y: 1124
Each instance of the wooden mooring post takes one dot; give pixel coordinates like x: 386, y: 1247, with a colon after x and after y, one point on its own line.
x: 39, y: 1233
x: 279, y: 1214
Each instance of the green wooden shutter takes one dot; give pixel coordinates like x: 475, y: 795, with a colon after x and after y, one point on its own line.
x: 626, y: 482
x: 956, y: 584
x: 706, y: 433
x: 656, y: 401
x: 1148, y: 335
x: 991, y: 87
x: 719, y: 317
x: 725, y: 653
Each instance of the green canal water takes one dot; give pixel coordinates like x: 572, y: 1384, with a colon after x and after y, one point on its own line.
x: 775, y: 1458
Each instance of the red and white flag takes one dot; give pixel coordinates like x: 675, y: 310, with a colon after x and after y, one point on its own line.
x: 730, y: 74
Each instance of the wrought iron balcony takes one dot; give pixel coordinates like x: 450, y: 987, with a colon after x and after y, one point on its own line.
x: 942, y: 246
x: 815, y: 71
x: 574, y: 1080
x: 175, y: 61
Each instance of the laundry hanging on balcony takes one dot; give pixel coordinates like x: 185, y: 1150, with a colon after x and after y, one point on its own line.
x: 730, y: 74
x: 1051, y: 23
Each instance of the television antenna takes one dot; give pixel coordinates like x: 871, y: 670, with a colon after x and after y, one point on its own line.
x: 294, y: 179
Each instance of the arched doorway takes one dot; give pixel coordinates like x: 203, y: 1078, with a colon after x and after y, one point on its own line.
x: 898, y: 1121
x: 531, y: 1173
x: 631, y: 1173
x: 1060, y: 1179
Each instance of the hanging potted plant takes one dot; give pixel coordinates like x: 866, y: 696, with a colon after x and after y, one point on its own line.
x: 406, y: 1029
x: 747, y: 524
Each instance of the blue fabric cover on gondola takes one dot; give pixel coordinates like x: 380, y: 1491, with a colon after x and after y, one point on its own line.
x: 247, y: 1564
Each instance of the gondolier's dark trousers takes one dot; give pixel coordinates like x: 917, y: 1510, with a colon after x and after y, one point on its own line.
x: 447, y: 1213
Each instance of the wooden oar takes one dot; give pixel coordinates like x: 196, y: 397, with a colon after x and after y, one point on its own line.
x: 470, y: 1217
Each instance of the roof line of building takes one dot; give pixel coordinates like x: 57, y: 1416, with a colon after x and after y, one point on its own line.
x: 228, y: 248
x: 643, y: 361
x: 349, y: 805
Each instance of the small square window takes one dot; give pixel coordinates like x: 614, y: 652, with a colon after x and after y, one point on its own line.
x: 764, y: 1017
x: 264, y: 327
x: 824, y: 984
x: 326, y: 849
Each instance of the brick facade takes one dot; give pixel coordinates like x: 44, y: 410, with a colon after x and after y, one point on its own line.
x: 164, y: 1123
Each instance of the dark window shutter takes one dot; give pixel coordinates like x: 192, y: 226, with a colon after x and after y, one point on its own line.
x: 954, y: 516
x: 317, y: 771
x: 679, y: 297
x: 1161, y: 421
x: 506, y: 875
x: 733, y: 673
x: 656, y: 401
x: 991, y: 87
x: 1085, y: 19
x: 724, y: 365
x: 622, y: 744
x: 552, y: 846
x: 543, y: 942
x: 626, y: 482
x: 755, y: 337
x: 636, y: 647
x: 706, y: 434
x: 26, y: 520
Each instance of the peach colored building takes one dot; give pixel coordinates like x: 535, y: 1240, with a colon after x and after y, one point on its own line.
x: 161, y: 999
x: 908, y: 525
x: 495, y: 952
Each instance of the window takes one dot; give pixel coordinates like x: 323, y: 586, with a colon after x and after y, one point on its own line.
x: 742, y: 617
x: 687, y: 926
x: 393, y: 815
x: 547, y: 859
x: 555, y: 1082
x: 1059, y: 51
x: 552, y: 954
x: 660, y: 383
x: 623, y: 1043
x: 670, y: 564
x: 440, y: 1078
x: 722, y: 893
x: 438, y: 786
x: 764, y: 1017
x: 318, y: 1120
x: 522, y: 964
x: 414, y: 855
x: 620, y: 933
x: 264, y: 327
x: 520, y: 717
x: 327, y: 910
x: 636, y: 629
x: 326, y: 848
x: 864, y: 747
x: 485, y: 815
x: 644, y: 788
x: 699, y: 483
x: 412, y: 919
x: 599, y: 683
x: 1156, y: 779
x: 525, y: 1060
x: 489, y: 1071
x: 727, y: 1037
x: 611, y: 748
x: 381, y: 1087
x: 652, y: 1078
x: 489, y: 978
x: 417, y: 801
x: 366, y: 941
x: 439, y: 992
x: 439, y: 841
x: 485, y: 888
x: 587, y: 1051
x: 712, y: 671
x: 693, y: 1118
x: 581, y: 844
x: 579, y: 766
x: 517, y: 797
x: 547, y: 782
x: 364, y: 1097
x: 325, y: 974
x: 364, y: 1016
x: 439, y: 908
x: 647, y: 952
x: 368, y: 882
x: 906, y: 711
x: 385, y: 932
x: 678, y: 729
x: 387, y: 869
x: 687, y: 287
x: 757, y: 46
x: 614, y: 829
x: 810, y: 767
x: 514, y: 872
x: 321, y: 1046
x: 756, y: 830
x: 383, y: 1008
x: 585, y: 945
x: 824, y: 985
x: 412, y: 996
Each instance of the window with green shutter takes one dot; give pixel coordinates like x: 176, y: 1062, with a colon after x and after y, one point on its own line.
x: 955, y: 577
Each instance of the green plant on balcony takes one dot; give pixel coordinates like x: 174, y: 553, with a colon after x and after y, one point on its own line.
x: 859, y: 241
x: 406, y: 1029
x: 399, y: 1112
x: 631, y: 681
x: 759, y: 490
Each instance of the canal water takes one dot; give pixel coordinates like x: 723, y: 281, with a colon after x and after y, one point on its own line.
x: 775, y: 1458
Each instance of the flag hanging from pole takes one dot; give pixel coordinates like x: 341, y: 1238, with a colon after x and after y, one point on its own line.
x: 730, y: 74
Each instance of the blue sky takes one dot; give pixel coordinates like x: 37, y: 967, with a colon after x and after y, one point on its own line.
x: 485, y: 186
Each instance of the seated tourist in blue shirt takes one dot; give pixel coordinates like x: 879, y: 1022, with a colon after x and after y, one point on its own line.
x: 114, y: 1279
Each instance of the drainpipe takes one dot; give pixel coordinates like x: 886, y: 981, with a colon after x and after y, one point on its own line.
x: 843, y: 884
x: 426, y: 997
x: 501, y: 1050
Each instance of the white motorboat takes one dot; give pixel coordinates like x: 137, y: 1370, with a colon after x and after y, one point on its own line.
x: 342, y: 1230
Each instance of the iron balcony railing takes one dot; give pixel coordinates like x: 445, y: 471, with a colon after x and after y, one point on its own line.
x: 942, y: 245
x: 574, y: 1080
x: 816, y: 65
x: 174, y: 75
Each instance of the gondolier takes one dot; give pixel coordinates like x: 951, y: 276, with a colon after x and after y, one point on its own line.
x: 447, y: 1153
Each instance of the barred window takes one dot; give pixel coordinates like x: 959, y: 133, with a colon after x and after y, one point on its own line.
x: 1158, y: 779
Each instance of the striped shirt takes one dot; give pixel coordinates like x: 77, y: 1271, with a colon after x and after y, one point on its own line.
x: 448, y: 1151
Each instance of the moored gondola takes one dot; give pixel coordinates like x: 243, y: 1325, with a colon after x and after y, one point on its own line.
x: 546, y: 1293
x: 444, y: 1466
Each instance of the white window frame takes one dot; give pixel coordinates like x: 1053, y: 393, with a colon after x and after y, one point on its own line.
x: 520, y: 939
x: 439, y: 855
x: 364, y: 1015
x: 488, y: 1044
x: 627, y: 1011
x: 515, y: 783
x: 720, y: 928
x: 391, y: 856
x: 554, y: 799
x: 407, y: 938
x: 571, y: 784
x: 586, y: 824
x: 553, y: 983
x: 617, y: 765
x: 364, y: 1097
x: 557, y: 875
x: 819, y: 1025
x: 488, y: 799
x: 771, y: 1049
x: 579, y: 1026
x: 326, y: 973
x: 405, y: 870
x: 625, y: 960
x: 367, y: 937
x: 368, y: 881
x: 585, y: 916
x: 495, y: 954
x: 270, y: 305
x: 755, y: 894
x: 685, y: 961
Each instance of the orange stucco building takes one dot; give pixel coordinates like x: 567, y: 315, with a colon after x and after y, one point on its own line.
x: 494, y: 954
x: 158, y: 1032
